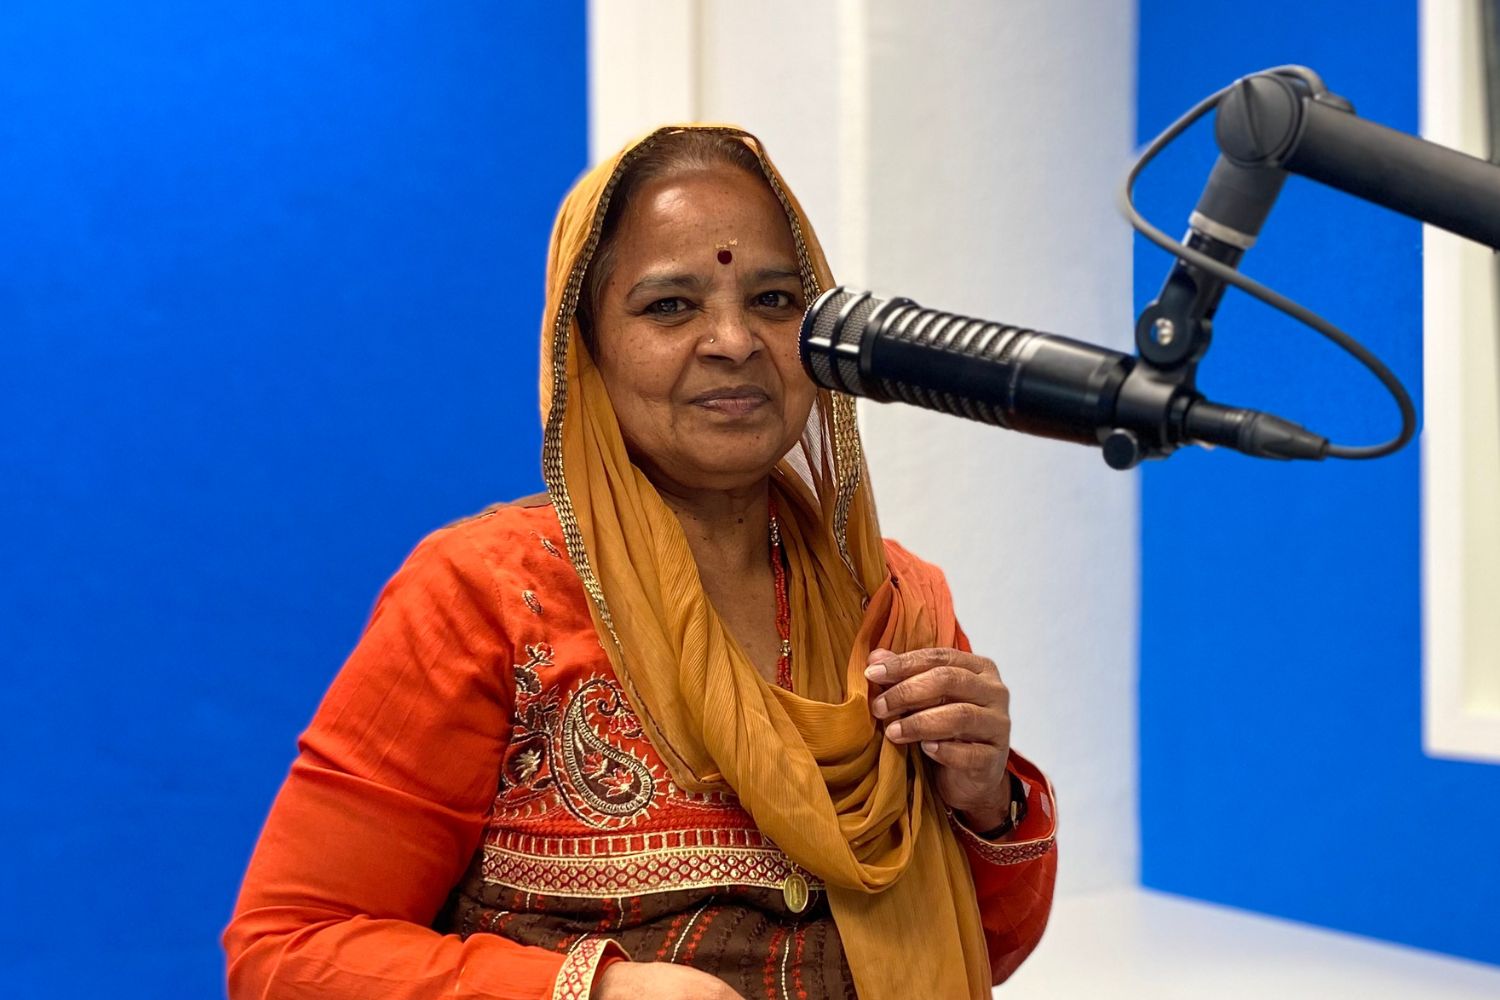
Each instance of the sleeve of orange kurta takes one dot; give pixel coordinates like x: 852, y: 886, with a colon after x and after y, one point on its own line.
x: 384, y: 808
x: 1014, y: 877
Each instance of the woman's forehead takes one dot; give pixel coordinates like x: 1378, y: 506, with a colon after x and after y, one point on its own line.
x: 705, y: 211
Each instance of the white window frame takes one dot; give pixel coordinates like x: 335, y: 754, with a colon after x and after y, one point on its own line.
x: 1461, y: 433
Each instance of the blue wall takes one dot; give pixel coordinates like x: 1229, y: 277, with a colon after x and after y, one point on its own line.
x: 270, y: 287
x: 1281, y: 757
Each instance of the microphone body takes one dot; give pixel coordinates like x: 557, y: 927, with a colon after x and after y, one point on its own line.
x: 893, y: 350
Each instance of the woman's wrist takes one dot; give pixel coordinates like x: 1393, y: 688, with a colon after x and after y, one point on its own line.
x: 1002, y: 821
x: 980, y: 820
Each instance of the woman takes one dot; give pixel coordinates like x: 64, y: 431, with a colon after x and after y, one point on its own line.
x: 684, y: 726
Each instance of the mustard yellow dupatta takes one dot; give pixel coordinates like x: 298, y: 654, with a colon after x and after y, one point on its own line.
x: 811, y: 767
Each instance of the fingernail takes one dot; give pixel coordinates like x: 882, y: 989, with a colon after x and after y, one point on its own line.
x: 879, y: 653
x: 878, y: 707
x: 929, y: 747
x: 877, y: 672
x: 893, y: 731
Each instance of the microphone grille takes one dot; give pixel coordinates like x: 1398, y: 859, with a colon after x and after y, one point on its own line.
x: 831, y: 339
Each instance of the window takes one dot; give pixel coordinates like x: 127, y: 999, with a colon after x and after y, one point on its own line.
x: 1461, y: 434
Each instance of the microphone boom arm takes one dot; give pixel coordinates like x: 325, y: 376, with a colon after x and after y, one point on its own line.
x: 1269, y: 124
x: 1273, y: 120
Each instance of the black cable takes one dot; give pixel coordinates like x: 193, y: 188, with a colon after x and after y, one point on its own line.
x: 1229, y: 275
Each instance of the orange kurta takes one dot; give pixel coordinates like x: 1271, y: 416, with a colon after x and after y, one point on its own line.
x: 476, y: 813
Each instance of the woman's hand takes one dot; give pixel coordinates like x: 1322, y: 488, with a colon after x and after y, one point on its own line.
x: 652, y: 980
x: 955, y: 705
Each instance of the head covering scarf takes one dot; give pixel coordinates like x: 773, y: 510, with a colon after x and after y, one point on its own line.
x: 810, y: 767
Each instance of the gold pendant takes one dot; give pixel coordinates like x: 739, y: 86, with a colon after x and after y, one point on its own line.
x: 794, y: 891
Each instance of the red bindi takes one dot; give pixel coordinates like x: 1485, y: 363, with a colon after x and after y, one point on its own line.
x: 725, y: 256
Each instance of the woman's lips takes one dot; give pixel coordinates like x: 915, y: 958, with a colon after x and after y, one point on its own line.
x: 736, y: 402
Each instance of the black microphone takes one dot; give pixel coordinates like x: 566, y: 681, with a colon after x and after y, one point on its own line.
x: 893, y: 350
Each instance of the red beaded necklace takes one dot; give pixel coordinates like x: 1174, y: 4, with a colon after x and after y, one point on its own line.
x: 783, y: 605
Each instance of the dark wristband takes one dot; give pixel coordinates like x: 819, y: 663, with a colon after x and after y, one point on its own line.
x: 1016, y: 812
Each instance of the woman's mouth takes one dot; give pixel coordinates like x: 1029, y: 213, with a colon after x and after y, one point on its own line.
x: 734, y: 401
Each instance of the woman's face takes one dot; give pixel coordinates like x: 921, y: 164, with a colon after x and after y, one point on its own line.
x: 696, y: 331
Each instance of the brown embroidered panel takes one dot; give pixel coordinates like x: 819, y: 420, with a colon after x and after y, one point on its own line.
x: 737, y: 935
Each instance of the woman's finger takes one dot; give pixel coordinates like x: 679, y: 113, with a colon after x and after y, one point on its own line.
x: 886, y: 667
x: 960, y: 721
x: 939, y: 686
x: 964, y: 755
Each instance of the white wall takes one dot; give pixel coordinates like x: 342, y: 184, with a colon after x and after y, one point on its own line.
x: 963, y: 153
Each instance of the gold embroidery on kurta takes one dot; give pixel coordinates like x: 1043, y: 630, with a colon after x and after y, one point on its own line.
x: 618, y: 876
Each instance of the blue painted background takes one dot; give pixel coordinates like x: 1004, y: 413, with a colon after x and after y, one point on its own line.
x: 270, y: 287
x: 1281, y: 759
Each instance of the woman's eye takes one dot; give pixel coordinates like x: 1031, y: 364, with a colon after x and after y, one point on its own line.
x: 666, y: 307
x: 775, y: 300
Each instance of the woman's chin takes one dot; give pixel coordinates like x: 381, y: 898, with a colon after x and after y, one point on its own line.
x: 732, y: 475
x: 723, y: 458
x: 724, y: 469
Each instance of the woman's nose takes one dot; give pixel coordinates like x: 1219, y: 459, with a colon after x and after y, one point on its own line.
x: 729, y: 337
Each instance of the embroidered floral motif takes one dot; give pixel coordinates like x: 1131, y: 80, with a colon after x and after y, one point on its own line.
x: 529, y: 596
x: 618, y: 782
x: 538, y: 654
x: 574, y: 751
x: 526, y: 765
x: 524, y: 773
x: 602, y: 783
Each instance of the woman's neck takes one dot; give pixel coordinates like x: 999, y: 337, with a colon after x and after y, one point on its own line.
x: 728, y: 531
x: 729, y: 534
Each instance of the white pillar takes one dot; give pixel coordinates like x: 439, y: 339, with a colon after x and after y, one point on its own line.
x: 963, y: 153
